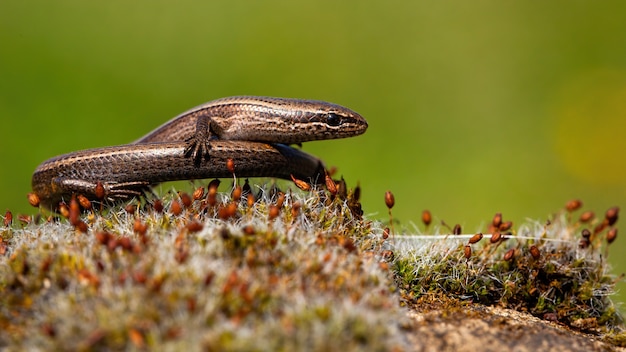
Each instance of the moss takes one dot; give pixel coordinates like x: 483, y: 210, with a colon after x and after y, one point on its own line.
x: 551, y: 275
x: 290, y: 271
x: 306, y: 279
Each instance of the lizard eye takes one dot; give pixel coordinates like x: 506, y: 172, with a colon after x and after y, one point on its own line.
x: 333, y: 119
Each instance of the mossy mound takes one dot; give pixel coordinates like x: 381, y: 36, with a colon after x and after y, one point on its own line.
x: 281, y: 271
x: 284, y: 272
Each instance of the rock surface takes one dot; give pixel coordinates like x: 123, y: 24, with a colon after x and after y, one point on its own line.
x: 480, y: 328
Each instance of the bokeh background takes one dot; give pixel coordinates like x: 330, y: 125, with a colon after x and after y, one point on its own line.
x: 475, y: 107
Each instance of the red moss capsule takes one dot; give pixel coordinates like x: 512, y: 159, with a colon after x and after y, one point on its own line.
x: 573, y: 204
x: 348, y: 244
x: 211, y: 197
x: 194, y: 226
x: 84, y: 202
x: 250, y: 199
x: 232, y: 209
x: 236, y: 194
x: 331, y: 186
x: 273, y: 212
x: 467, y: 251
x: 130, y: 209
x: 185, y: 199
x: 99, y: 191
x: 295, y: 209
x: 136, y: 337
x: 457, y: 229
x: 48, y: 329
x: 495, y: 237
x: 74, y: 212
x: 586, y: 233
x: 477, y: 237
x: 509, y: 255
x: 191, y: 305
x: 213, y: 186
x: 427, y: 218
x: 601, y: 226
x: 125, y: 243
x: 301, y: 184
x: 208, y: 279
x: 26, y: 219
x: 158, y: 206
x: 102, y: 237
x: 176, y: 208
x: 139, y: 227
x: 45, y: 264
x: 112, y: 244
x: 586, y: 216
x: 386, y: 233
x: 612, y: 215
x: 356, y: 194
x: 137, y: 248
x: 249, y: 230
x: 8, y: 218
x: 222, y: 213
x: 33, y: 199
x: 246, y: 188
x: 230, y: 164
x: 390, y: 200
x: 181, y: 255
x: 140, y: 277
x: 198, y: 193
x: 81, y: 226
x: 505, y: 225
x: 497, y: 220
x: 173, y: 333
x: 88, y: 278
x: 342, y: 189
x: 64, y: 210
x: 280, y: 200
x: 534, y: 251
x: 611, y: 235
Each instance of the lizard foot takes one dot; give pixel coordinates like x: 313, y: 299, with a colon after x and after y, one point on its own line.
x: 197, y: 148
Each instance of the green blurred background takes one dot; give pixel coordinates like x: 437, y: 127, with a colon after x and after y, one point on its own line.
x: 474, y: 107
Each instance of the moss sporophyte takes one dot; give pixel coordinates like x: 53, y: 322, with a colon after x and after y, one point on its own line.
x: 257, y: 268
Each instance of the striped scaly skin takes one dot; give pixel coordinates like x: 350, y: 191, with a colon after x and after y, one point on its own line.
x: 129, y: 170
x: 236, y: 128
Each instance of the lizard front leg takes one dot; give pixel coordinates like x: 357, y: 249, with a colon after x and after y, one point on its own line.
x: 198, y: 145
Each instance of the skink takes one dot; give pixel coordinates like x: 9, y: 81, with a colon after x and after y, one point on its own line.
x: 129, y: 170
x: 215, y: 131
x: 259, y: 119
